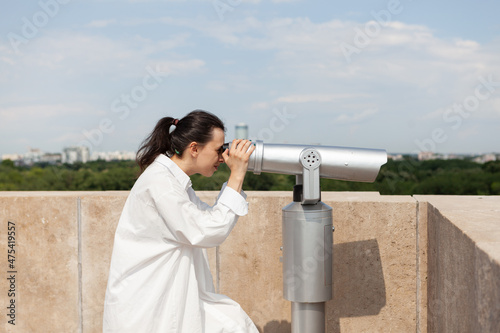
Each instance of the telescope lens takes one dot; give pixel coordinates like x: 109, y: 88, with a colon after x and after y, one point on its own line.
x: 223, y: 148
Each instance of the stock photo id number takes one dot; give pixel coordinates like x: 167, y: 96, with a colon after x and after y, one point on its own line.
x: 11, y: 272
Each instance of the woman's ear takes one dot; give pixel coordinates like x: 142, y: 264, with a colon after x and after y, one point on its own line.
x: 193, y: 149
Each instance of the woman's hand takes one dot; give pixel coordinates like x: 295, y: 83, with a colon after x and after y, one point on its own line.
x: 237, y: 158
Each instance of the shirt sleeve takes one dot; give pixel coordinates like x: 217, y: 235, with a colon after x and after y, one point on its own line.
x: 189, y: 221
x: 233, y: 200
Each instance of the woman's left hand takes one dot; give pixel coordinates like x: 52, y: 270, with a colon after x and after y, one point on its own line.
x: 237, y: 158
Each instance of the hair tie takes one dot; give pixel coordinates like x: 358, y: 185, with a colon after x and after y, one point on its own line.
x: 172, y: 128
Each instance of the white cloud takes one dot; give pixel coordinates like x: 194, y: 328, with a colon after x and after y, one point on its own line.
x: 18, y: 114
x: 488, y: 109
x: 101, y: 23
x: 468, y: 132
x: 436, y: 114
x: 256, y: 65
x: 229, y: 82
x: 356, y: 117
x: 179, y: 67
x: 7, y: 60
x: 79, y: 54
x: 494, y: 107
x: 307, y: 98
x: 260, y: 106
x: 133, y: 1
x: 67, y: 138
x: 406, y: 63
x: 217, y: 86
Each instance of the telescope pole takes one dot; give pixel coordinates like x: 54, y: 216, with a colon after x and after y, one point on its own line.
x: 308, y: 317
x: 307, y: 234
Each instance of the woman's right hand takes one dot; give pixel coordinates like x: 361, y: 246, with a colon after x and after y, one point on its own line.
x: 237, y: 158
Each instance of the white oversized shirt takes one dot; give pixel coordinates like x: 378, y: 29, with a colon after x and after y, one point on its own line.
x: 159, y: 278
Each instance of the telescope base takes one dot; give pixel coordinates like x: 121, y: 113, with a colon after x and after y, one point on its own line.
x: 308, y: 317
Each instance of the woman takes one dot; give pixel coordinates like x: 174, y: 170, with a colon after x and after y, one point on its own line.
x: 159, y: 279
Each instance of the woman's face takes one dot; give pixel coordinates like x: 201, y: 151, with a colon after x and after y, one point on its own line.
x: 208, y: 155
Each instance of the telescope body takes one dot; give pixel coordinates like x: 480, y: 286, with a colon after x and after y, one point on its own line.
x: 343, y: 163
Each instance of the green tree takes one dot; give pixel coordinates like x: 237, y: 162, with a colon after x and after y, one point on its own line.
x: 406, y: 177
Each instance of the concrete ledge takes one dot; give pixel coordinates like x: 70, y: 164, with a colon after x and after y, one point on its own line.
x: 463, y: 263
x: 401, y: 264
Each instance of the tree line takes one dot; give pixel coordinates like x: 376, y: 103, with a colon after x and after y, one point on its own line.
x: 406, y: 177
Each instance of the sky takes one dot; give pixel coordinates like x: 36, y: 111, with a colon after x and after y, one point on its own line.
x: 400, y: 75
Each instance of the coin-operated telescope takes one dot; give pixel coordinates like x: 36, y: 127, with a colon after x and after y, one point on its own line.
x: 307, y: 224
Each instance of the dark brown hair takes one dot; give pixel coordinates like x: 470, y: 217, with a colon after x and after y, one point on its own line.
x: 196, y: 126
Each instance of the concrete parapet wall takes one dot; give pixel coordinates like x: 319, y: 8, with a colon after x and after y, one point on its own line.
x: 401, y: 263
x: 463, y: 263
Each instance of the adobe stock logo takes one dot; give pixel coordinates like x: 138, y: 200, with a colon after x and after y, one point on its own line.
x: 453, y: 118
x: 31, y: 27
x: 122, y: 106
x: 222, y: 7
x: 372, y: 29
x: 277, y: 124
x: 456, y: 113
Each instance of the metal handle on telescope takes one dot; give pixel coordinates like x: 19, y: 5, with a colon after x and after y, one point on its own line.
x: 310, y: 160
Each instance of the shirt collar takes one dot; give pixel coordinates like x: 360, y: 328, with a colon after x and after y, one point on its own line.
x: 180, y: 175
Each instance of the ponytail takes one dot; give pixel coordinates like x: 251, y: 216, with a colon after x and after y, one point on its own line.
x: 197, y: 126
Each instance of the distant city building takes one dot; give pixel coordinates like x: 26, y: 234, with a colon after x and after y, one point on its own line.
x: 75, y: 154
x: 241, y: 131
x: 12, y: 157
x: 34, y: 155
x: 427, y: 155
x: 485, y: 158
x: 52, y: 158
x: 455, y: 157
x: 395, y: 157
x: 69, y: 155
x: 113, y: 156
